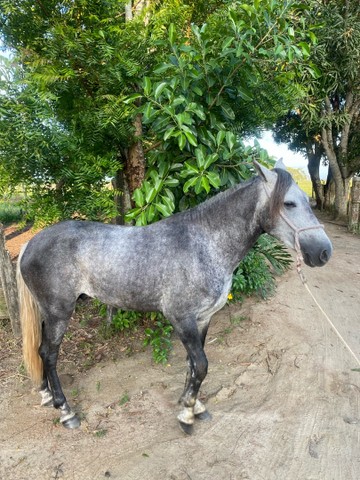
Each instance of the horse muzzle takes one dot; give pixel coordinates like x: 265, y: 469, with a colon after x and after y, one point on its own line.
x: 316, y: 255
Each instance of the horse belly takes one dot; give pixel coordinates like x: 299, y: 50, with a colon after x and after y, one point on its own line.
x: 125, y: 289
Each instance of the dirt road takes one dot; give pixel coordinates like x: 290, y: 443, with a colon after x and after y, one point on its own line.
x: 281, y: 389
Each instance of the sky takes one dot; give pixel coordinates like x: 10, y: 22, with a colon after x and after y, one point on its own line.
x: 291, y: 159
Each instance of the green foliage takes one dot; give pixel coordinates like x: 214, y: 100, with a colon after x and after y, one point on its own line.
x: 84, y: 72
x: 200, y: 103
x: 10, y: 212
x: 253, y: 274
x: 126, y: 320
x: 159, y: 338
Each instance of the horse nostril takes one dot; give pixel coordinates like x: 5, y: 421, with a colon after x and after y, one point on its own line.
x: 324, y: 256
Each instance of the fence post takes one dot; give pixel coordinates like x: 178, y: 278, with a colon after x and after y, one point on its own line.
x: 354, y: 210
x: 9, y: 286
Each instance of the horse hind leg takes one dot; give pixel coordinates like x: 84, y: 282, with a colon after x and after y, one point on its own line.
x: 51, y: 392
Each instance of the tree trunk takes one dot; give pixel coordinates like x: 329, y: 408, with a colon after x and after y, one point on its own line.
x: 341, y: 183
x: 122, y: 196
x: 9, y: 286
x: 342, y: 198
x: 354, y: 214
x: 135, y: 161
x: 314, y: 171
x: 134, y: 168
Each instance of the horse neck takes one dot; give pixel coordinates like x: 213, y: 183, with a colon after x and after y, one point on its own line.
x: 233, y: 220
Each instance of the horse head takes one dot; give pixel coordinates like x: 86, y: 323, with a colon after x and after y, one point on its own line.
x: 290, y: 218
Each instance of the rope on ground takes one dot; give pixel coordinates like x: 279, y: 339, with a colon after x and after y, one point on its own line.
x: 342, y: 339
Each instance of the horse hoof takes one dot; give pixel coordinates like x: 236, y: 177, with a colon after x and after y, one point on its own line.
x: 71, y: 423
x: 204, y: 416
x: 187, y: 428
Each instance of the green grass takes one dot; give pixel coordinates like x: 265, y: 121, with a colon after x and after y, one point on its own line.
x: 10, y: 212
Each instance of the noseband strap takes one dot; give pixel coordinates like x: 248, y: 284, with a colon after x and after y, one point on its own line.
x: 297, y: 231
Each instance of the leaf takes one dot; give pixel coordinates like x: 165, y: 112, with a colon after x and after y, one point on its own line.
x: 139, y: 197
x: 230, y: 140
x: 141, y: 220
x: 162, y: 68
x: 227, y: 42
x: 244, y: 93
x: 181, y: 141
x: 214, y: 179
x: 200, y: 157
x: 159, y: 89
x: 198, y: 186
x: 191, y: 138
x: 172, y: 33
x: 150, y: 213
x: 228, y: 111
x: 191, y: 167
x: 190, y: 183
x: 147, y: 111
x: 210, y: 159
x: 169, y: 133
x: 305, y: 48
x: 171, y: 182
x: 151, y: 194
x: 147, y: 85
x: 163, y: 209
x: 131, y: 98
x: 205, y: 184
x: 220, y: 137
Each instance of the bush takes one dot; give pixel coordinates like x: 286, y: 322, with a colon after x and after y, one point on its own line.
x: 255, y: 274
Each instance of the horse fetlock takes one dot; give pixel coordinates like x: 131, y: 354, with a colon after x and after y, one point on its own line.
x: 47, y: 399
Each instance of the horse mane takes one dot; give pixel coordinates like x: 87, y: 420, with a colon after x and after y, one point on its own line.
x: 196, y: 212
x: 276, y: 202
x: 282, y: 185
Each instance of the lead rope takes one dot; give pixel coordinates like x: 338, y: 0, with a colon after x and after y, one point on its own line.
x: 304, y: 282
x: 299, y: 260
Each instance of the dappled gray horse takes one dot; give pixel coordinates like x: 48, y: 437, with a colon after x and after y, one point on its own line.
x: 181, y: 266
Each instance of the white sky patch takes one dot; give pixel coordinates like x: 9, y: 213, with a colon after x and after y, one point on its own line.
x: 291, y: 159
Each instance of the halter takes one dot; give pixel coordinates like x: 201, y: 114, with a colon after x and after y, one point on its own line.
x: 297, y: 231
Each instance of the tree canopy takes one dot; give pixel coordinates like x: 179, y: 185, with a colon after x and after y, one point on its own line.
x: 157, y: 97
x: 326, y: 123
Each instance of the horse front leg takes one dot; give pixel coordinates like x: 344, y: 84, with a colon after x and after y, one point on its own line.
x: 200, y: 410
x: 198, y: 365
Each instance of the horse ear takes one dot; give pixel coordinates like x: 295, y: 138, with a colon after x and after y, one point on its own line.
x: 280, y: 164
x: 263, y: 172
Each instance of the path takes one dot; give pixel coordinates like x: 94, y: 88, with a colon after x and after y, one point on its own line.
x: 281, y: 389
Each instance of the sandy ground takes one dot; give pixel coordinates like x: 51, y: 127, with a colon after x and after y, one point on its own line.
x: 281, y: 389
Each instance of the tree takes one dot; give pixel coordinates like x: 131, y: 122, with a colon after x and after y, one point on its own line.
x: 290, y: 129
x: 81, y: 59
x: 327, y: 122
x: 96, y: 74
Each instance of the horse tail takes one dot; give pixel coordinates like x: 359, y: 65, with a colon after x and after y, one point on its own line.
x: 30, y: 326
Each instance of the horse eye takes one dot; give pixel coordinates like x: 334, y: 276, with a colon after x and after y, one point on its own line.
x: 290, y: 204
